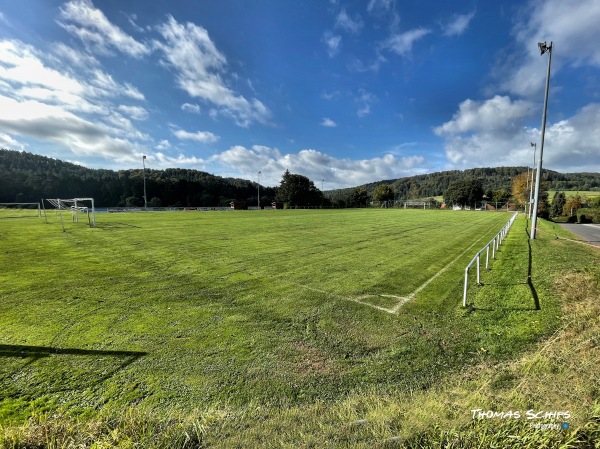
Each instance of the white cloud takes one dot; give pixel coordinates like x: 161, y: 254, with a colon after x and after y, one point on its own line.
x: 74, y: 57
x: 188, y: 107
x: 46, y: 99
x: 492, y: 133
x: 328, y: 123
x: 572, y: 25
x: 358, y: 66
x: 8, y: 142
x: 345, y: 22
x: 22, y: 66
x: 28, y: 71
x: 499, y: 114
x: 331, y: 95
x: 199, y: 67
x: 333, y: 43
x: 135, y: 112
x: 163, y: 145
x: 574, y: 144
x: 458, y: 25
x: 337, y: 173
x: 56, y: 125
x: 379, y: 6
x: 364, y: 101
x: 82, y: 19
x: 402, y: 43
x: 164, y: 160
x: 198, y: 136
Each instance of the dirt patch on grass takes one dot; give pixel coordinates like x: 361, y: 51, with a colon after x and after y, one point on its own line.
x: 311, y: 360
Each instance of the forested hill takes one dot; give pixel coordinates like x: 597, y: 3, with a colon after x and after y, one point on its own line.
x: 26, y: 177
x: 435, y: 184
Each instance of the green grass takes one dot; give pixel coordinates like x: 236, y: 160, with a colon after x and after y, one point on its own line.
x: 193, y: 322
x: 589, y: 194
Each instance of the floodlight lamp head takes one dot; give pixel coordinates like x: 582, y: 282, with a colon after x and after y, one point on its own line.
x: 544, y: 47
x: 532, y: 144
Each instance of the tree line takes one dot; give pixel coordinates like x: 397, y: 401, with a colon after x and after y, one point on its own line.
x: 26, y: 177
x: 495, y: 182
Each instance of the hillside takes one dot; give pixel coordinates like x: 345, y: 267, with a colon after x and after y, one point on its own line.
x: 434, y: 184
x: 28, y: 177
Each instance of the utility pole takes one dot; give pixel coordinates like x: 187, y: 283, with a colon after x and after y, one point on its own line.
x: 543, y: 49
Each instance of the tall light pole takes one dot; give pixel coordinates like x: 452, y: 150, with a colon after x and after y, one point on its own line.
x: 534, y: 145
x: 543, y: 49
x: 259, y: 190
x: 527, y: 187
x: 145, y: 199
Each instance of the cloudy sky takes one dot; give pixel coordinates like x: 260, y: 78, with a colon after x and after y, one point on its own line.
x: 345, y: 91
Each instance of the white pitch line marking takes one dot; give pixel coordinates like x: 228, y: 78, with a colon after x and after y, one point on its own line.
x: 401, y: 299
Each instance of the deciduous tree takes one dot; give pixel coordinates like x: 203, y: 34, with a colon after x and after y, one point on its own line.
x: 298, y: 190
x: 383, y: 192
x: 359, y: 197
x: 572, y: 205
x: 466, y: 192
x: 521, y: 191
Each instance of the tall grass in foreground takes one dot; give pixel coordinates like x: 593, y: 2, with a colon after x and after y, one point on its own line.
x: 558, y: 373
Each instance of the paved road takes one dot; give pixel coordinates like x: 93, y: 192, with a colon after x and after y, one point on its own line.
x: 588, y: 232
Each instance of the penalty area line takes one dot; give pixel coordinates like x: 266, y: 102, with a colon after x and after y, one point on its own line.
x: 401, y: 299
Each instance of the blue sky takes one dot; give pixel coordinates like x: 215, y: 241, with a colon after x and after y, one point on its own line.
x: 343, y: 91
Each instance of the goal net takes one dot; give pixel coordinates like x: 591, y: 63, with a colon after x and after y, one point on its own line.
x: 20, y: 210
x: 80, y: 209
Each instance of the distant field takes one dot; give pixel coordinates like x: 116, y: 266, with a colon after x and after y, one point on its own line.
x: 186, y: 310
x: 568, y: 193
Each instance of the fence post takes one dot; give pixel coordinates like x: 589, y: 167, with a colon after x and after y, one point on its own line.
x: 487, y: 257
x: 478, y: 264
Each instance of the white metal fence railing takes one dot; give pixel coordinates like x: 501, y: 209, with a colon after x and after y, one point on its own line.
x: 494, y: 244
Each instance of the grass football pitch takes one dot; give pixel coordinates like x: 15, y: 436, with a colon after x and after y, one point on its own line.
x: 180, y: 311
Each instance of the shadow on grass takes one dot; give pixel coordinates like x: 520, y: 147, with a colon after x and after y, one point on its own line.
x: 79, y: 376
x: 529, y: 283
x: 115, y: 225
x: 534, y: 295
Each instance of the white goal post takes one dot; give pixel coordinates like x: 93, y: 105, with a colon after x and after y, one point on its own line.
x: 76, y: 206
x: 417, y: 204
x: 35, y: 209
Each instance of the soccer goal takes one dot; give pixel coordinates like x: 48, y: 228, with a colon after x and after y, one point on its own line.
x: 77, y: 206
x: 20, y: 210
x: 417, y: 205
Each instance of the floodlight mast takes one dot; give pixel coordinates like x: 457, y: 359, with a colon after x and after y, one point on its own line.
x: 145, y: 199
x: 534, y: 145
x: 543, y: 49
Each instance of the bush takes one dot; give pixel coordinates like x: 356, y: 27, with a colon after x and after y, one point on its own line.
x: 588, y: 215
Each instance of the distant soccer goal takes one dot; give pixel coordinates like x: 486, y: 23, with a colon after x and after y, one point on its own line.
x: 416, y: 205
x: 20, y: 210
x: 77, y: 206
